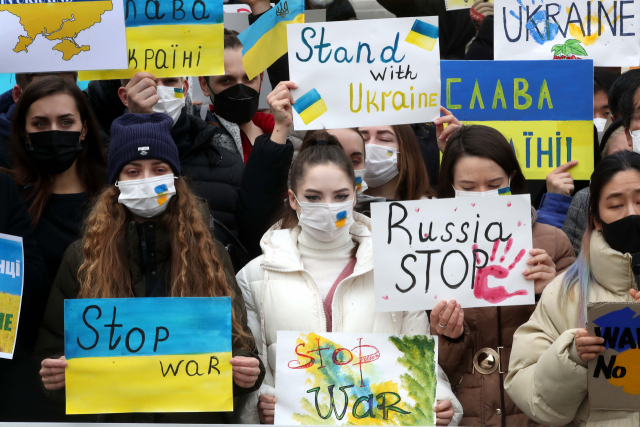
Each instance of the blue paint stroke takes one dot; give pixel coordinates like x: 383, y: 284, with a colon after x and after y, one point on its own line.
x: 621, y: 319
x: 549, y: 29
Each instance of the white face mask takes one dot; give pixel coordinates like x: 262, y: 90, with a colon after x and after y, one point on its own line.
x: 326, y: 221
x: 321, y: 4
x: 504, y: 191
x: 381, y: 164
x: 599, y: 124
x: 170, y: 102
x: 635, y: 138
x: 361, y: 185
x: 147, y: 197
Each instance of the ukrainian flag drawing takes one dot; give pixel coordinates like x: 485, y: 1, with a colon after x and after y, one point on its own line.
x: 266, y: 39
x: 153, y: 355
x: 341, y: 219
x: 358, y: 183
x: 423, y: 35
x: 162, y: 189
x: 178, y: 93
x: 310, y: 106
x: 506, y: 191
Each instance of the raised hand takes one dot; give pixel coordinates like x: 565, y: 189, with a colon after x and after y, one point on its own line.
x: 560, y: 181
x: 443, y: 133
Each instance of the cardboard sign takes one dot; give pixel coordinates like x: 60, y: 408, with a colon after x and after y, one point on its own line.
x: 148, y: 355
x: 365, y: 73
x: 355, y: 379
x: 171, y: 38
x: 473, y: 249
x: 11, y: 281
x: 61, y: 35
x: 614, y: 376
x: 606, y: 31
x: 543, y: 108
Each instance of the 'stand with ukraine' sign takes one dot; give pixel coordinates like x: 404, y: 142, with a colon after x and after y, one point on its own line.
x: 543, y: 108
x: 148, y: 355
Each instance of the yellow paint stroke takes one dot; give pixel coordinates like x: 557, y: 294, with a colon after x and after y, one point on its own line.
x: 629, y: 359
x: 9, y: 304
x: 592, y: 21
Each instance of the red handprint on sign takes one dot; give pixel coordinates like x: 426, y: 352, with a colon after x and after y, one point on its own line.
x: 481, y: 289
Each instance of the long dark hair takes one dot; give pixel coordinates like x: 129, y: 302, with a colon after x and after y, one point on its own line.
x: 91, y: 163
x: 413, y: 182
x: 479, y: 141
x: 312, y: 153
x: 579, y: 273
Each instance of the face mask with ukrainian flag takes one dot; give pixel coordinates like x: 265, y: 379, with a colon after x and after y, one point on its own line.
x: 147, y: 197
x: 504, y: 191
x: 170, y: 102
x: 361, y: 185
x: 325, y: 221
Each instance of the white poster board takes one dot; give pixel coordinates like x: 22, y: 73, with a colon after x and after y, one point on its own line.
x: 355, y: 379
x: 365, y: 73
x: 607, y: 31
x: 61, y: 36
x: 424, y: 250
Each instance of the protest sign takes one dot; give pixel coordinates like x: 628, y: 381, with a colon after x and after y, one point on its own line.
x: 614, y: 376
x: 543, y: 108
x: 607, y: 31
x: 365, y: 73
x: 61, y: 35
x: 148, y: 355
x: 472, y: 249
x: 171, y: 38
x: 355, y: 379
x: 11, y: 280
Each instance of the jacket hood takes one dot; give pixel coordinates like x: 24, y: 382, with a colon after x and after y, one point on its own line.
x: 6, y: 112
x: 611, y: 269
x: 280, y: 247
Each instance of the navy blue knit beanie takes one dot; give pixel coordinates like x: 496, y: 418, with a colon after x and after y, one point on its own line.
x: 141, y: 137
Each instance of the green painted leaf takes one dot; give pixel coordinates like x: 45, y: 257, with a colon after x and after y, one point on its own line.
x: 556, y: 49
x: 565, y: 49
x: 572, y: 42
x: 577, y: 50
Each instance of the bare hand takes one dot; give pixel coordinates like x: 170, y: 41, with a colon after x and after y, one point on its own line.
x: 451, y: 316
x: 635, y: 295
x: 442, y: 133
x: 444, y: 412
x: 543, y: 269
x: 280, y: 100
x: 588, y: 346
x: 142, y: 94
x: 266, y: 408
x: 560, y: 181
x: 483, y: 7
x: 257, y: 6
x: 245, y: 371
x: 52, y: 373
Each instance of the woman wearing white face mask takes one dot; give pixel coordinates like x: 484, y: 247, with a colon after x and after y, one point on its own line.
x: 316, y: 273
x: 478, y: 160
x: 146, y: 236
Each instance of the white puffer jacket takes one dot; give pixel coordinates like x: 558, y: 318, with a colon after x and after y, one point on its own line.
x: 281, y: 295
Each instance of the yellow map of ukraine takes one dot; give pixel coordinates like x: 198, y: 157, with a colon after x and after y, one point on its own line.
x: 56, y: 21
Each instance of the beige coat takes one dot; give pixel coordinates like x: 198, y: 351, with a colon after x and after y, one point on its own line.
x: 547, y: 379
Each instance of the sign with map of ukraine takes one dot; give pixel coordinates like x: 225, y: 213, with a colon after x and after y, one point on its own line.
x: 42, y: 36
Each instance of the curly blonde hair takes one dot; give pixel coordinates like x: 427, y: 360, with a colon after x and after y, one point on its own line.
x: 195, y: 268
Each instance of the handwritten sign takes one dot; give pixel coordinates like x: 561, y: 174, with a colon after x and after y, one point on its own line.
x: 148, y: 355
x: 61, y: 35
x: 355, y: 379
x: 472, y: 249
x: 607, y: 31
x: 11, y: 280
x: 171, y: 38
x: 365, y: 73
x: 613, y: 375
x: 543, y: 108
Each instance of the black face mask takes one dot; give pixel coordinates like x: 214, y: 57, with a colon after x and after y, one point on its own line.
x: 623, y: 235
x: 54, y: 151
x: 237, y: 104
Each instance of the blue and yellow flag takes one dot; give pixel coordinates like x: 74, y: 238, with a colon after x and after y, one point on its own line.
x: 423, y: 35
x: 148, y: 355
x: 310, y: 106
x: 266, y: 39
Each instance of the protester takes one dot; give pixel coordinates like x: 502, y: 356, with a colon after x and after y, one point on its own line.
x: 394, y: 166
x: 337, y: 10
x: 577, y: 215
x: 169, y: 252
x: 624, y: 82
x: 8, y: 102
x: 58, y: 162
x: 316, y: 273
x: 20, y: 397
x: 478, y: 159
x: 481, y: 47
x: 548, y: 369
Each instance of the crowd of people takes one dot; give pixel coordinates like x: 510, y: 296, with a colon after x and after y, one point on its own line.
x: 248, y: 209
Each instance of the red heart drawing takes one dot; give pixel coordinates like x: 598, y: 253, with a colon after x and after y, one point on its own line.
x: 426, y: 235
x: 473, y: 204
x: 417, y: 209
x: 455, y: 210
x: 509, y: 204
x: 519, y: 223
x: 385, y: 297
x: 435, y: 296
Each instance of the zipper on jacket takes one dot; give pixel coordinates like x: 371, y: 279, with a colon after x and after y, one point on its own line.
x: 503, y: 415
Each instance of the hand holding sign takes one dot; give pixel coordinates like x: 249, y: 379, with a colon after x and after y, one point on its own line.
x: 266, y: 408
x: 52, y: 373
x: 141, y: 93
x: 560, y: 181
x: 280, y: 100
x: 635, y: 294
x: 447, y: 319
x: 245, y: 371
x: 543, y: 270
x: 444, y: 412
x: 588, y: 347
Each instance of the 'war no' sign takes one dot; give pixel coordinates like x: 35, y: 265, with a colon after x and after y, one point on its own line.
x: 365, y: 73
x: 148, y: 355
x: 473, y: 249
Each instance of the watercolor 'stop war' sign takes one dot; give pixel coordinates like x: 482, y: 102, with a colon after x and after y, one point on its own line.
x: 11, y: 280
x: 606, y: 31
x: 355, y: 379
x: 471, y: 249
x: 613, y: 375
